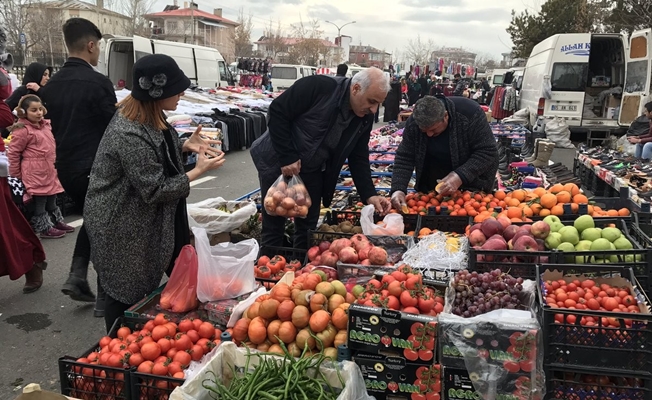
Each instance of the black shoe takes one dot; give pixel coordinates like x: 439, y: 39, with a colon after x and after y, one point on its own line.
x: 77, y: 288
x: 98, y: 311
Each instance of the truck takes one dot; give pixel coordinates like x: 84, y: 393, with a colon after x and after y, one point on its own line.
x: 204, y: 66
x: 579, y: 77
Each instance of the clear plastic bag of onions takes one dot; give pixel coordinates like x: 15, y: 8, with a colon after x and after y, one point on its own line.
x: 288, y: 197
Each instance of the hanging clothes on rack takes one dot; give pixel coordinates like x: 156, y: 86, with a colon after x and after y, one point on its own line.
x: 497, y: 104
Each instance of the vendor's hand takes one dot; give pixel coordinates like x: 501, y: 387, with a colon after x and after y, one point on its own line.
x: 382, y: 205
x: 634, y: 140
x: 33, y: 86
x: 449, y: 184
x: 398, y: 200
x: 206, y: 163
x: 292, y: 169
x: 195, y: 141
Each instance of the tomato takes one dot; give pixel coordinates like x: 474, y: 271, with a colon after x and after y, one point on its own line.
x: 165, y: 344
x: 206, y: 330
x: 185, y: 325
x: 422, y: 386
x: 263, y: 260
x: 160, y: 319
x: 408, y: 300
x: 425, y: 355
x: 183, y: 342
x: 374, y: 284
x: 197, y: 352
x: 610, y: 304
x: 394, y: 288
x: 426, y: 304
x: 151, y: 351
x: 433, y: 396
x: 526, y: 366
x: 174, y: 367
x: 160, y: 369
x: 393, y: 303
x: 159, y: 332
x: 411, y: 354
x: 136, y: 359
x: 417, y: 396
x: 399, y: 276
x: 412, y: 283
x: 183, y: 358
x: 417, y: 328
x: 105, y: 341
x: 196, y: 323
x: 511, y: 366
x: 146, y: 367
x: 387, y: 279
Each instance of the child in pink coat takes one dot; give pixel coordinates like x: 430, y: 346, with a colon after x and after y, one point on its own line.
x: 31, y: 158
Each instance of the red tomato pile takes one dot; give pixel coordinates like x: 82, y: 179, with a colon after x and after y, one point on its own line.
x: 522, y: 350
x: 161, y: 348
x: 275, y: 267
x: 587, y: 295
x: 402, y: 290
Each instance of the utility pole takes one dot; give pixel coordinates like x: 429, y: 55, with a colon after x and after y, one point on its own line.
x: 339, y: 29
x: 192, y: 20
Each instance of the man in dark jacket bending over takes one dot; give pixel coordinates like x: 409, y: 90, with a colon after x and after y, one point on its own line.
x: 449, y: 142
x: 314, y: 126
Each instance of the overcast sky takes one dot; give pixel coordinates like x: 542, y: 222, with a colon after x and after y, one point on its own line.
x: 477, y: 25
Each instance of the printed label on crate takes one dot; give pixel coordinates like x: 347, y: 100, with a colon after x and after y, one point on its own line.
x: 459, y: 384
x: 376, y: 330
x: 393, y: 378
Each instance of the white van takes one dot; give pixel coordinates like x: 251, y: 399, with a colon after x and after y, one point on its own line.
x: 204, y: 66
x: 354, y: 70
x: 284, y: 75
x: 495, y: 77
x: 565, y: 69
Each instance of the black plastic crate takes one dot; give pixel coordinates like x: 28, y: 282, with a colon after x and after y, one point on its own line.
x: 607, y: 345
x: 97, y: 382
x: 444, y: 223
x: 519, y: 264
x: 580, y: 384
x: 152, y: 387
x: 643, y: 221
x: 316, y: 237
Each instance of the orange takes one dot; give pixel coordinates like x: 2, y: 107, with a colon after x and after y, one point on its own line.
x: 575, y: 207
x: 563, y: 197
x: 527, y: 211
x: 462, y: 212
x: 580, y: 199
x: 519, y: 194
x: 536, y: 208
x: 556, y: 188
x: 612, y: 213
x: 548, y: 200
x: 514, y: 212
x: 539, y: 191
x: 500, y: 195
x: 623, y: 212
x: 557, y: 210
x: 425, y: 232
x: 572, y: 188
x: 513, y: 203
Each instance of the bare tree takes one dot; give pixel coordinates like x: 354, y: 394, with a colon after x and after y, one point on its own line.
x: 419, y: 51
x: 274, y: 41
x: 135, y: 10
x: 242, y: 34
x: 486, y: 61
x: 45, y: 30
x: 15, y: 15
x: 309, y: 45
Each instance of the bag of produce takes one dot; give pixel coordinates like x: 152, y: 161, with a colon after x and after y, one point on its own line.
x: 242, y: 373
x: 391, y: 225
x: 180, y: 293
x: 218, y: 215
x: 288, y: 197
x: 225, y: 271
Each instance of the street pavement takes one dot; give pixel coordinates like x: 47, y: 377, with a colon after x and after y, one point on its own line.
x: 36, y: 329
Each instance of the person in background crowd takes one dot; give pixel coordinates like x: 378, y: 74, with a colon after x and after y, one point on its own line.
x: 460, y: 85
x: 414, y: 90
x: 314, y: 126
x: 342, y: 69
x: 81, y: 103
x: 484, y: 86
x: 36, y: 76
x: 450, y: 144
x: 31, y: 159
x: 136, y: 204
x: 404, y: 89
x: 6, y: 62
x: 644, y: 142
x: 22, y: 252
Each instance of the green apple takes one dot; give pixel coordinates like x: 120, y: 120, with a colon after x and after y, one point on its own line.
x: 553, y: 240
x: 591, y: 234
x: 611, y: 234
x: 570, y: 235
x: 357, y: 290
x: 601, y: 245
x: 614, y: 259
x: 584, y: 222
x: 551, y: 219
x: 583, y: 245
x: 582, y: 259
x: 630, y: 258
x: 622, y: 243
x: 566, y: 247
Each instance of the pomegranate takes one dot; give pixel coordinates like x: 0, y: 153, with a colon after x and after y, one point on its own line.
x: 329, y: 259
x: 348, y: 255
x: 313, y: 252
x: 377, y: 256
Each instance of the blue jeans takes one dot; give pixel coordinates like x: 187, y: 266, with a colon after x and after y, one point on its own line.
x: 644, y: 150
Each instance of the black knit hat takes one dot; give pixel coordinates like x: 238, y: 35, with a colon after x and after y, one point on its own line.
x: 158, y: 77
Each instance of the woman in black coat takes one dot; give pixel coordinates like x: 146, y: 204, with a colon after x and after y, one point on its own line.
x: 36, y: 75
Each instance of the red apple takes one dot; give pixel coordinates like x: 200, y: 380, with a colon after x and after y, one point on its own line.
x: 510, y: 231
x: 477, y: 238
x: 526, y: 243
x: 540, y: 230
x: 491, y: 227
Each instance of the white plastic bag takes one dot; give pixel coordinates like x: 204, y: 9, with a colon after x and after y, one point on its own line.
x: 225, y: 271
x: 392, y: 223
x: 623, y: 145
x: 218, y: 215
x: 229, y: 357
x: 557, y: 130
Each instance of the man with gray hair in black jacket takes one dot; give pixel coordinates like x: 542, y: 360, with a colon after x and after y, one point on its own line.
x: 314, y: 127
x: 450, y: 144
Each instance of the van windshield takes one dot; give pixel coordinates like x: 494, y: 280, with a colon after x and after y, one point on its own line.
x: 569, y: 77
x: 284, y: 73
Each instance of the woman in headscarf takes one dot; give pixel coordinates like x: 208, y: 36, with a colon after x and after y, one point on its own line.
x: 36, y: 75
